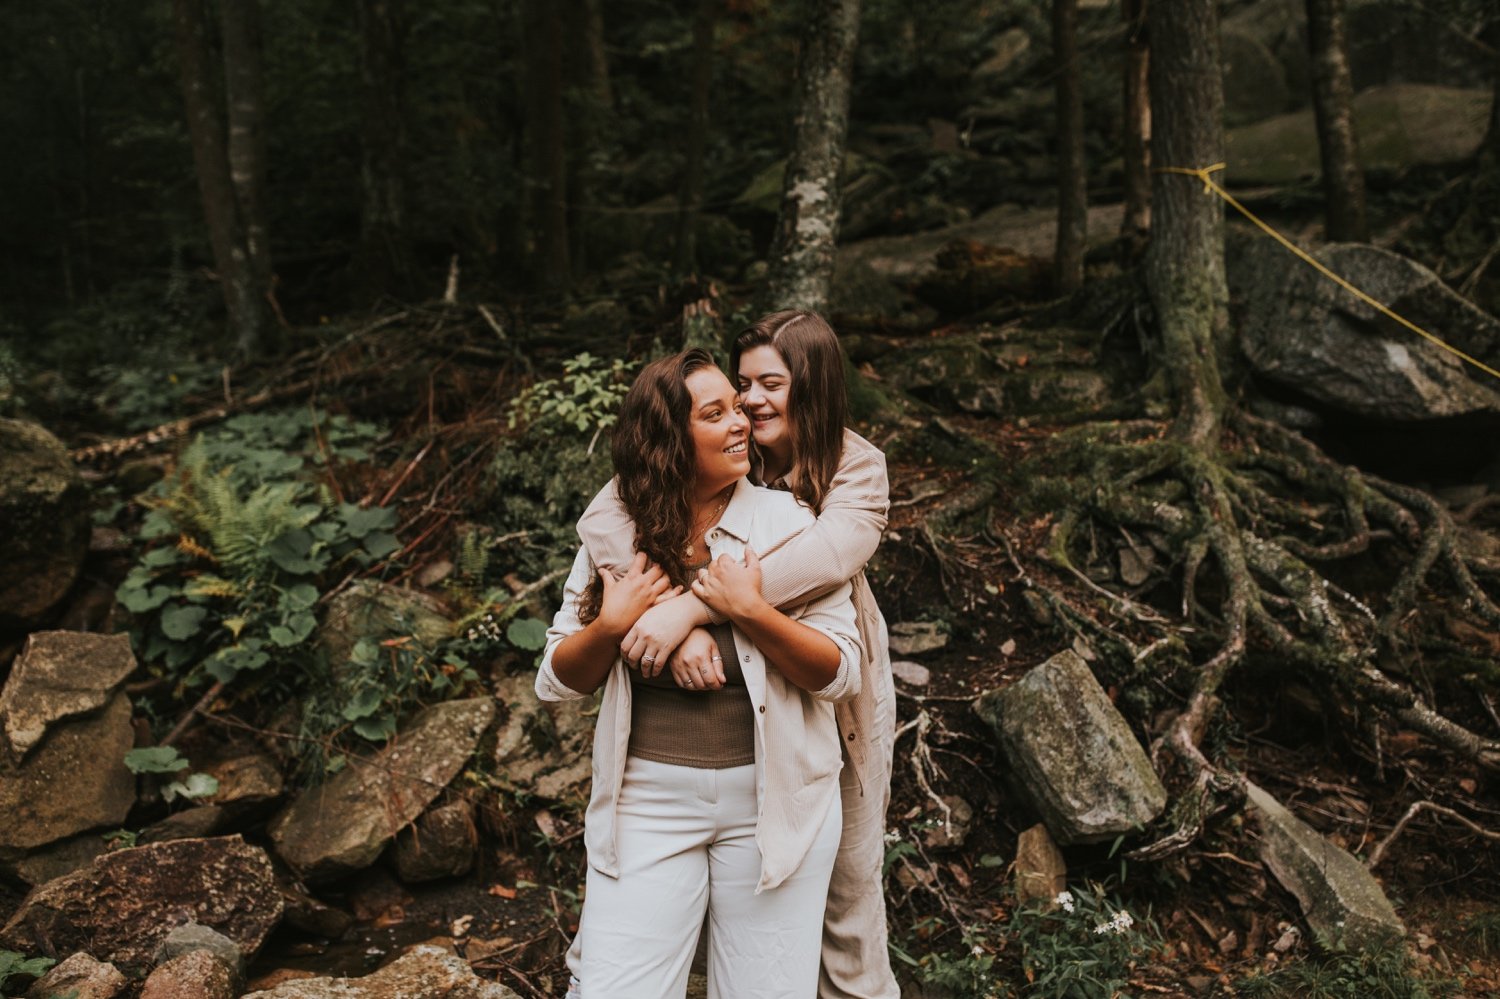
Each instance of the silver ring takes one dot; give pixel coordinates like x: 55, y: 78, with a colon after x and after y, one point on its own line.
x: 716, y: 659
x: 648, y: 659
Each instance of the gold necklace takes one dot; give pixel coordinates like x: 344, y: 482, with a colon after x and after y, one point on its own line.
x: 702, y: 523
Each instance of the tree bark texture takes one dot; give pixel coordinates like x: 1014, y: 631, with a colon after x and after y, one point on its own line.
x: 1136, y: 146
x: 690, y: 194
x: 590, y: 15
x: 244, y: 98
x: 243, y: 299
x: 1333, y: 108
x: 1072, y: 173
x: 546, y: 152
x: 1185, y: 262
x: 802, y: 249
x: 382, y: 261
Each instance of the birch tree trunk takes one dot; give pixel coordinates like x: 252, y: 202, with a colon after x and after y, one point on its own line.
x: 1185, y: 261
x: 244, y: 97
x: 382, y: 260
x: 1072, y: 175
x: 802, y: 249
x: 243, y: 302
x: 1135, y: 227
x: 1333, y: 97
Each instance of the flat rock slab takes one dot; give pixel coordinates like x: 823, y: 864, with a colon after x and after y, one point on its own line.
x: 342, y: 825
x: 74, y: 780
x: 43, y: 505
x: 424, y: 972
x: 60, y: 674
x: 1341, y: 900
x: 1072, y: 754
x: 123, y: 906
x: 563, y: 771
x: 79, y: 977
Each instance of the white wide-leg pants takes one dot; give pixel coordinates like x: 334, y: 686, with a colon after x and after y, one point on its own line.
x: 686, y: 841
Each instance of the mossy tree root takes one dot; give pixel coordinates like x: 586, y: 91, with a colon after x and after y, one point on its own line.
x: 1239, y: 508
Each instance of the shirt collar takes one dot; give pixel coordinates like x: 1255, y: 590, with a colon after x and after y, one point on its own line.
x: 740, y: 511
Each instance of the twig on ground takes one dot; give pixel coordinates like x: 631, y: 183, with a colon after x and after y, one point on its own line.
x: 1378, y: 854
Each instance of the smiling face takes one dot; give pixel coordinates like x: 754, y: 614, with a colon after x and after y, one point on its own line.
x: 720, y: 431
x: 765, y: 390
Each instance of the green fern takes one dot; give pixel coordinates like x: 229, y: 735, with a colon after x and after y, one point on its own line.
x: 473, y: 557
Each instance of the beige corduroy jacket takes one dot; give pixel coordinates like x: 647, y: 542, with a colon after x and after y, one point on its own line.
x: 825, y: 555
x: 797, y: 758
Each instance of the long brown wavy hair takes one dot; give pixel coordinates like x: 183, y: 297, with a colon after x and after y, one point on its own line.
x: 817, y: 399
x: 656, y: 465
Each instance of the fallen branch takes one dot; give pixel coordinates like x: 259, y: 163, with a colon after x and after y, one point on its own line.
x: 1378, y: 854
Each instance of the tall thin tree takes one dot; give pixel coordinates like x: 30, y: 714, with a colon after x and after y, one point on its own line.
x: 546, y: 146
x: 382, y: 259
x: 1185, y: 262
x: 244, y: 296
x: 690, y: 192
x: 244, y: 97
x: 1333, y: 107
x: 802, y: 249
x: 1136, y: 145
x: 1072, y: 173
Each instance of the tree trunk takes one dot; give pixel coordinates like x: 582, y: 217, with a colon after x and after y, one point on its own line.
x: 1136, y: 151
x: 546, y: 155
x: 801, y: 257
x: 690, y: 195
x: 595, y: 58
x: 1333, y: 97
x: 382, y: 261
x: 1072, y: 174
x: 243, y: 93
x: 243, y: 302
x: 1185, y: 262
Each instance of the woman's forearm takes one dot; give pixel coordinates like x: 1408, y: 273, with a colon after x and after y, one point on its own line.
x: 805, y: 656
x: 583, y: 659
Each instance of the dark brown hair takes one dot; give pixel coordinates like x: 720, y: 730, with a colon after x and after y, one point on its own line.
x: 817, y: 400
x: 656, y: 465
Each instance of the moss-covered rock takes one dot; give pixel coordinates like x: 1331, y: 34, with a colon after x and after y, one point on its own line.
x: 42, y: 505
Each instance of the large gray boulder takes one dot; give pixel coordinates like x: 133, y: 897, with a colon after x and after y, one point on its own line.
x: 1340, y: 899
x: 46, y: 535
x: 425, y: 971
x: 342, y: 825
x: 563, y: 771
x: 60, y: 674
x: 1071, y: 754
x: 378, y: 611
x: 73, y: 780
x: 1302, y: 331
x: 123, y: 906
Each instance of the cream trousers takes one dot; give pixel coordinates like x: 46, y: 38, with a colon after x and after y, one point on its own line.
x: 686, y: 842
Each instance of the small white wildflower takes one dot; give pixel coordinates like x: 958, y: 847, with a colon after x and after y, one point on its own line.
x: 1064, y: 899
x: 892, y: 836
x: 1102, y: 929
x: 1123, y: 921
x: 978, y: 950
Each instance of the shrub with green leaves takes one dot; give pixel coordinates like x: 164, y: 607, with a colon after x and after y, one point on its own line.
x: 1081, y: 946
x: 543, y: 476
x: 16, y: 965
x: 243, y: 540
x: 167, y: 760
x: 1379, y: 973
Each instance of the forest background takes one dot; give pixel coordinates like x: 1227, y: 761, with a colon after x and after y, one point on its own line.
x: 331, y: 304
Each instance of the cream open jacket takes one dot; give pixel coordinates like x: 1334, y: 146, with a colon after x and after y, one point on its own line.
x: 797, y: 752
x: 830, y: 552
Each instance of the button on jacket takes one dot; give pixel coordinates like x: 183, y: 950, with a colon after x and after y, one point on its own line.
x: 797, y: 745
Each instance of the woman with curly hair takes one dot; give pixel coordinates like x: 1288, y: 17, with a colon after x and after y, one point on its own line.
x: 716, y: 783
x: 790, y: 373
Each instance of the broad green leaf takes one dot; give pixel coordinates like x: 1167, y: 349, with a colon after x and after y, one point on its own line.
x: 292, y: 553
x: 366, y: 652
x: 181, y: 622
x: 140, y: 599
x: 381, y: 543
x: 155, y: 760
x: 196, y: 785
x: 299, y: 597
x: 376, y: 729
x: 163, y: 556
x: 362, y: 705
x: 527, y: 633
x: 360, y: 522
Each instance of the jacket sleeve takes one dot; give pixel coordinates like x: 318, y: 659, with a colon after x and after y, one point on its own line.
x: 607, y: 532
x: 834, y: 548
x: 833, y: 614
x: 564, y: 623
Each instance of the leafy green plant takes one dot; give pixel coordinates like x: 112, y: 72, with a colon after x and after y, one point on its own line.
x: 1082, y: 946
x: 586, y: 396
x: 17, y: 965
x: 167, y: 760
x: 1378, y: 973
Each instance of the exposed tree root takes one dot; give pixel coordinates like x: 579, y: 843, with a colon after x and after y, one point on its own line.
x: 1246, y: 547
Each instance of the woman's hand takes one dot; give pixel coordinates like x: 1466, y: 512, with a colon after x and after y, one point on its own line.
x: 630, y: 596
x: 730, y: 588
x: 659, y: 631
x: 696, y: 665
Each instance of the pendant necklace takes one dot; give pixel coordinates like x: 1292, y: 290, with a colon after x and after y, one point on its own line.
x: 701, y: 524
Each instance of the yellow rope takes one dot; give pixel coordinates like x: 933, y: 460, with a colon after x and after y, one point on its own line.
x: 1209, y: 186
